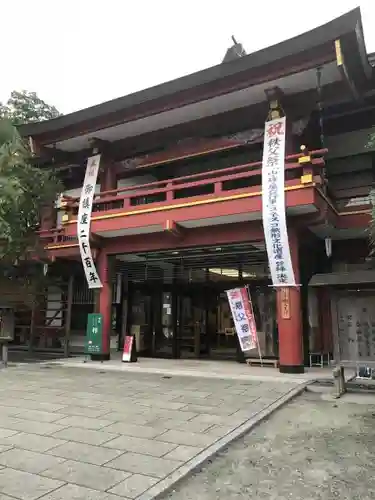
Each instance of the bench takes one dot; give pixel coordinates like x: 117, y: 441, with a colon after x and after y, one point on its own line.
x: 262, y: 362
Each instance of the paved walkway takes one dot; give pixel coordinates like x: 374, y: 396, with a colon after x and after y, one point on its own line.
x: 70, y: 433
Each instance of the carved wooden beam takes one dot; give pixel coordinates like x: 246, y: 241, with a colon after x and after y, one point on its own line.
x: 174, y: 229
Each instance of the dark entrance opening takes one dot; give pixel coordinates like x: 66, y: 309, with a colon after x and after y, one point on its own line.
x: 177, y: 306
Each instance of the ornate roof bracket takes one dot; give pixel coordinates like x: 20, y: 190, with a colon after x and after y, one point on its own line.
x: 275, y: 98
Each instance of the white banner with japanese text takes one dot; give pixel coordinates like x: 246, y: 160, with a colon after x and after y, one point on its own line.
x: 243, y: 318
x: 273, y: 203
x: 84, y: 221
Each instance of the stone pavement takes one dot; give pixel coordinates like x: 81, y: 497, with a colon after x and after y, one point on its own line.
x: 70, y: 433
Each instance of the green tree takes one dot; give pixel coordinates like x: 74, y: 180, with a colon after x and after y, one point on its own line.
x: 25, y: 107
x: 25, y: 189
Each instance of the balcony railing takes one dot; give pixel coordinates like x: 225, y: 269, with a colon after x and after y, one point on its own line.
x: 55, y: 235
x: 204, y: 184
x: 216, y: 183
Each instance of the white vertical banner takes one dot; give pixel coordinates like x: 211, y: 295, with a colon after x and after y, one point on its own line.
x: 273, y: 203
x: 243, y: 318
x: 84, y: 221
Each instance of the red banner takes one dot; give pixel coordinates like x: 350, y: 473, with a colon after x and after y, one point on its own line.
x: 243, y: 318
x: 128, y: 345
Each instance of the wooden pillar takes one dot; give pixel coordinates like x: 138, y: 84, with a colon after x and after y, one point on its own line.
x: 105, y: 300
x: 325, y: 318
x: 68, y: 314
x: 108, y: 180
x: 289, y: 318
x: 32, y: 324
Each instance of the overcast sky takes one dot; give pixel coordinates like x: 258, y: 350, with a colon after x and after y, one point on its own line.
x: 77, y: 53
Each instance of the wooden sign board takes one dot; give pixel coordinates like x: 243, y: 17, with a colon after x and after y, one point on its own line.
x: 94, y: 334
x: 284, y: 298
x: 129, y: 353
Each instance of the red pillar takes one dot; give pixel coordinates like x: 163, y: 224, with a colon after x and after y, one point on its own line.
x: 105, y: 300
x: 289, y: 318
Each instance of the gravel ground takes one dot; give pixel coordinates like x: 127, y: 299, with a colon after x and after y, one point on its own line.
x: 310, y: 449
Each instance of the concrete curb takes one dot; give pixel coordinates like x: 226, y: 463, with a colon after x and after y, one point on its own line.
x: 131, y: 369
x: 166, y: 485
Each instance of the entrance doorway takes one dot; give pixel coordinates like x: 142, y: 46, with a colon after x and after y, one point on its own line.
x: 150, y: 319
x: 191, y: 321
x: 177, y: 303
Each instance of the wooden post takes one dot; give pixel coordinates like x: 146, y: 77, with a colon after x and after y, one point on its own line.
x: 5, y: 354
x: 289, y: 318
x: 68, y: 315
x: 339, y: 381
x: 197, y: 339
x: 105, y: 301
x: 32, y: 325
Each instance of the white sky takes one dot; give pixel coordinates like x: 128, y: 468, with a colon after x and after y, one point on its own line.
x: 77, y: 53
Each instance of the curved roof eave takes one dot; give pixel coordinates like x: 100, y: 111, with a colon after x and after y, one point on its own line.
x: 365, y: 58
x: 347, y: 23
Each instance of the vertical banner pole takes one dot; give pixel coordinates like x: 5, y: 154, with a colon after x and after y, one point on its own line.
x: 256, y: 329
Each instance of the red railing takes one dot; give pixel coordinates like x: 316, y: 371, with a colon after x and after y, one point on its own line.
x: 205, y: 184
x: 215, y: 182
x: 55, y: 235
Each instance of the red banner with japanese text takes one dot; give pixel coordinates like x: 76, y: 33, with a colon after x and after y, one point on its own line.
x: 243, y: 317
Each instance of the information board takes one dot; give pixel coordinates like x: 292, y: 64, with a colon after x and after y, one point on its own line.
x: 94, y: 331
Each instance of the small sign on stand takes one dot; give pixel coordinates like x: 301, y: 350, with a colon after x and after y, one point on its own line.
x: 129, y: 353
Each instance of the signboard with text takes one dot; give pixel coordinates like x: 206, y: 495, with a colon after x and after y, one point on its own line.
x: 273, y: 204
x: 129, y: 353
x: 284, y: 298
x: 94, y: 334
x: 84, y: 221
x: 243, y: 318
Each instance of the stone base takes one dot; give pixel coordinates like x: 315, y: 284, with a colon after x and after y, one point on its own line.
x: 100, y: 357
x: 292, y: 369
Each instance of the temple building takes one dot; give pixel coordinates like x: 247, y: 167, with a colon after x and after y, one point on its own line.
x: 177, y: 215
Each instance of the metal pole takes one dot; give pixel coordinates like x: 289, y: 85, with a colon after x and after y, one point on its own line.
x: 256, y: 326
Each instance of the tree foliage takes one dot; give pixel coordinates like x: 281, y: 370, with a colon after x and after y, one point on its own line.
x: 24, y: 189
x: 26, y: 107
